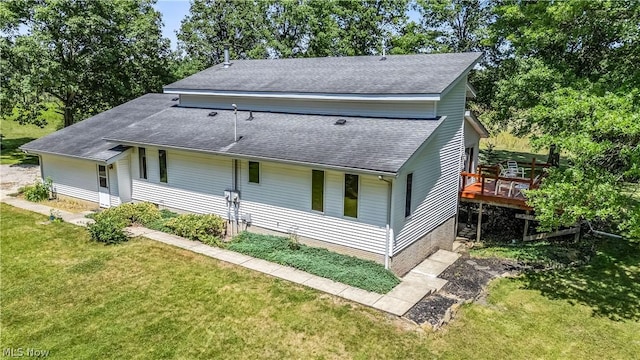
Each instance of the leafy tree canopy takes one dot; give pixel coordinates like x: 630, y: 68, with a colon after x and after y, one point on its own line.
x: 87, y: 56
x: 565, y: 75
x: 288, y: 28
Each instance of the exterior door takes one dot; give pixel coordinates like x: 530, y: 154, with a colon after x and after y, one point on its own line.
x: 103, y: 186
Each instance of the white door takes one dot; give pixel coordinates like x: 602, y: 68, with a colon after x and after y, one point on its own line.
x: 103, y: 186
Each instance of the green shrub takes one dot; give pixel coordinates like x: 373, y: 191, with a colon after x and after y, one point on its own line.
x: 131, y: 213
x: 364, y: 274
x: 39, y: 191
x: 205, y: 228
x: 108, y: 230
x: 159, y: 224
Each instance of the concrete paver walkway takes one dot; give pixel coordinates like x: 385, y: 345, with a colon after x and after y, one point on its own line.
x: 415, y: 285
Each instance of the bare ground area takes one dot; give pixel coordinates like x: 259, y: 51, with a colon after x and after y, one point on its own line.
x: 467, y: 279
x: 13, y: 177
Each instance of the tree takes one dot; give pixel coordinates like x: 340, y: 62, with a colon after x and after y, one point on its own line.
x: 212, y: 24
x: 455, y: 25
x: 86, y: 55
x: 288, y: 28
x: 566, y: 78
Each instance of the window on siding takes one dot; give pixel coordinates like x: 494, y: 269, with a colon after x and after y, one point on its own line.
x: 407, y: 199
x: 254, y: 172
x: 317, y: 190
x: 351, y: 195
x: 102, y: 176
x: 162, y: 156
x: 142, y: 160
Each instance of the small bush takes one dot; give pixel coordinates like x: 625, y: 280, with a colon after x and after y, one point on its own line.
x: 39, y: 191
x: 108, y: 230
x: 131, y: 213
x: 205, y: 228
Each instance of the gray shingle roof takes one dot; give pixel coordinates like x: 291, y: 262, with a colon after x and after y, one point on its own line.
x: 84, y: 139
x: 372, y: 144
x: 398, y: 74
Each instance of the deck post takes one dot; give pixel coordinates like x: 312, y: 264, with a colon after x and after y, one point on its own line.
x: 479, y: 228
x: 526, y: 226
x: 533, y: 172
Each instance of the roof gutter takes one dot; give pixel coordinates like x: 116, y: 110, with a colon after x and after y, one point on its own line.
x: 108, y: 161
x: 308, y: 96
x: 261, y: 158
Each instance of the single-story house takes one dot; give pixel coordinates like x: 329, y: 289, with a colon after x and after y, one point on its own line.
x: 361, y: 155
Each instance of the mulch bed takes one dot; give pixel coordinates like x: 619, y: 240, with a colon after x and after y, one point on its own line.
x: 467, y: 278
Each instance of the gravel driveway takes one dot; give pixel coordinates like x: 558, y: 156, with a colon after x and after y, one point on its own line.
x: 12, y: 177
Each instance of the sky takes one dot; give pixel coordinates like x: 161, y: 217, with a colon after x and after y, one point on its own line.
x: 173, y: 11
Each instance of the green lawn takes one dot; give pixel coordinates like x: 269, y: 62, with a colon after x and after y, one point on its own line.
x: 143, y: 299
x: 15, y: 135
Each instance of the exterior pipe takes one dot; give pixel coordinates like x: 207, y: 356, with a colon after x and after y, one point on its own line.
x: 235, y: 123
x: 387, y: 244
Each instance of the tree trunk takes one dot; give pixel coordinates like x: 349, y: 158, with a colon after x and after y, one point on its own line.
x: 68, y: 117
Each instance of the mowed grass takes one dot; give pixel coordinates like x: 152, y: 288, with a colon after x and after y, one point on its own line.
x: 146, y: 300
x: 15, y: 135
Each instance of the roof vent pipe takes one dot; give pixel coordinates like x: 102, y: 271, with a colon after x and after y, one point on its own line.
x: 384, y: 53
x: 235, y: 123
x: 226, y: 63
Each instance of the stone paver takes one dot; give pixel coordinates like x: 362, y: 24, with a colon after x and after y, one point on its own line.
x: 263, y: 266
x: 427, y: 281
x: 393, y: 305
x: 326, y: 285
x: 172, y: 240
x: 430, y: 267
x: 444, y: 256
x: 291, y: 274
x: 418, y: 283
x: 359, y: 295
x: 207, y: 250
x: 411, y: 291
x: 232, y: 257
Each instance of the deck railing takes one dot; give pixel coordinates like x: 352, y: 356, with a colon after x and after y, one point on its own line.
x: 492, y: 173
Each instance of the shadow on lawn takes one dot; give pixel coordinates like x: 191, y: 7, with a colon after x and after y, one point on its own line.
x: 609, y: 283
x: 12, y: 155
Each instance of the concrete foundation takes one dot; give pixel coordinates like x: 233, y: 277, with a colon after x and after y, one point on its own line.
x: 441, y: 237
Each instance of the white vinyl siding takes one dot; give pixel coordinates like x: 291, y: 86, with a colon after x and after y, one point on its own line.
x: 72, y: 177
x: 124, y: 179
x: 472, y: 139
x: 282, y: 202
x: 405, y: 109
x: 114, y: 194
x: 196, y: 182
x: 436, y: 175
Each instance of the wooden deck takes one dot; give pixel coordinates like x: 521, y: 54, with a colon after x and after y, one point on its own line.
x: 488, y: 195
x: 480, y: 187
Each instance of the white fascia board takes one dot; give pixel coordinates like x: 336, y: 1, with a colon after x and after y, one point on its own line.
x: 309, y: 96
x: 476, y: 124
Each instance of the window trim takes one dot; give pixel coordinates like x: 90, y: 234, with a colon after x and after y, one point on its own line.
x: 344, y: 195
x: 408, y: 194
x: 166, y: 167
x: 249, y: 173
x: 106, y: 177
x: 324, y: 184
x: 142, y: 164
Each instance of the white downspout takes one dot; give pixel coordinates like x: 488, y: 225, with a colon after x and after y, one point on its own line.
x: 389, y: 231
